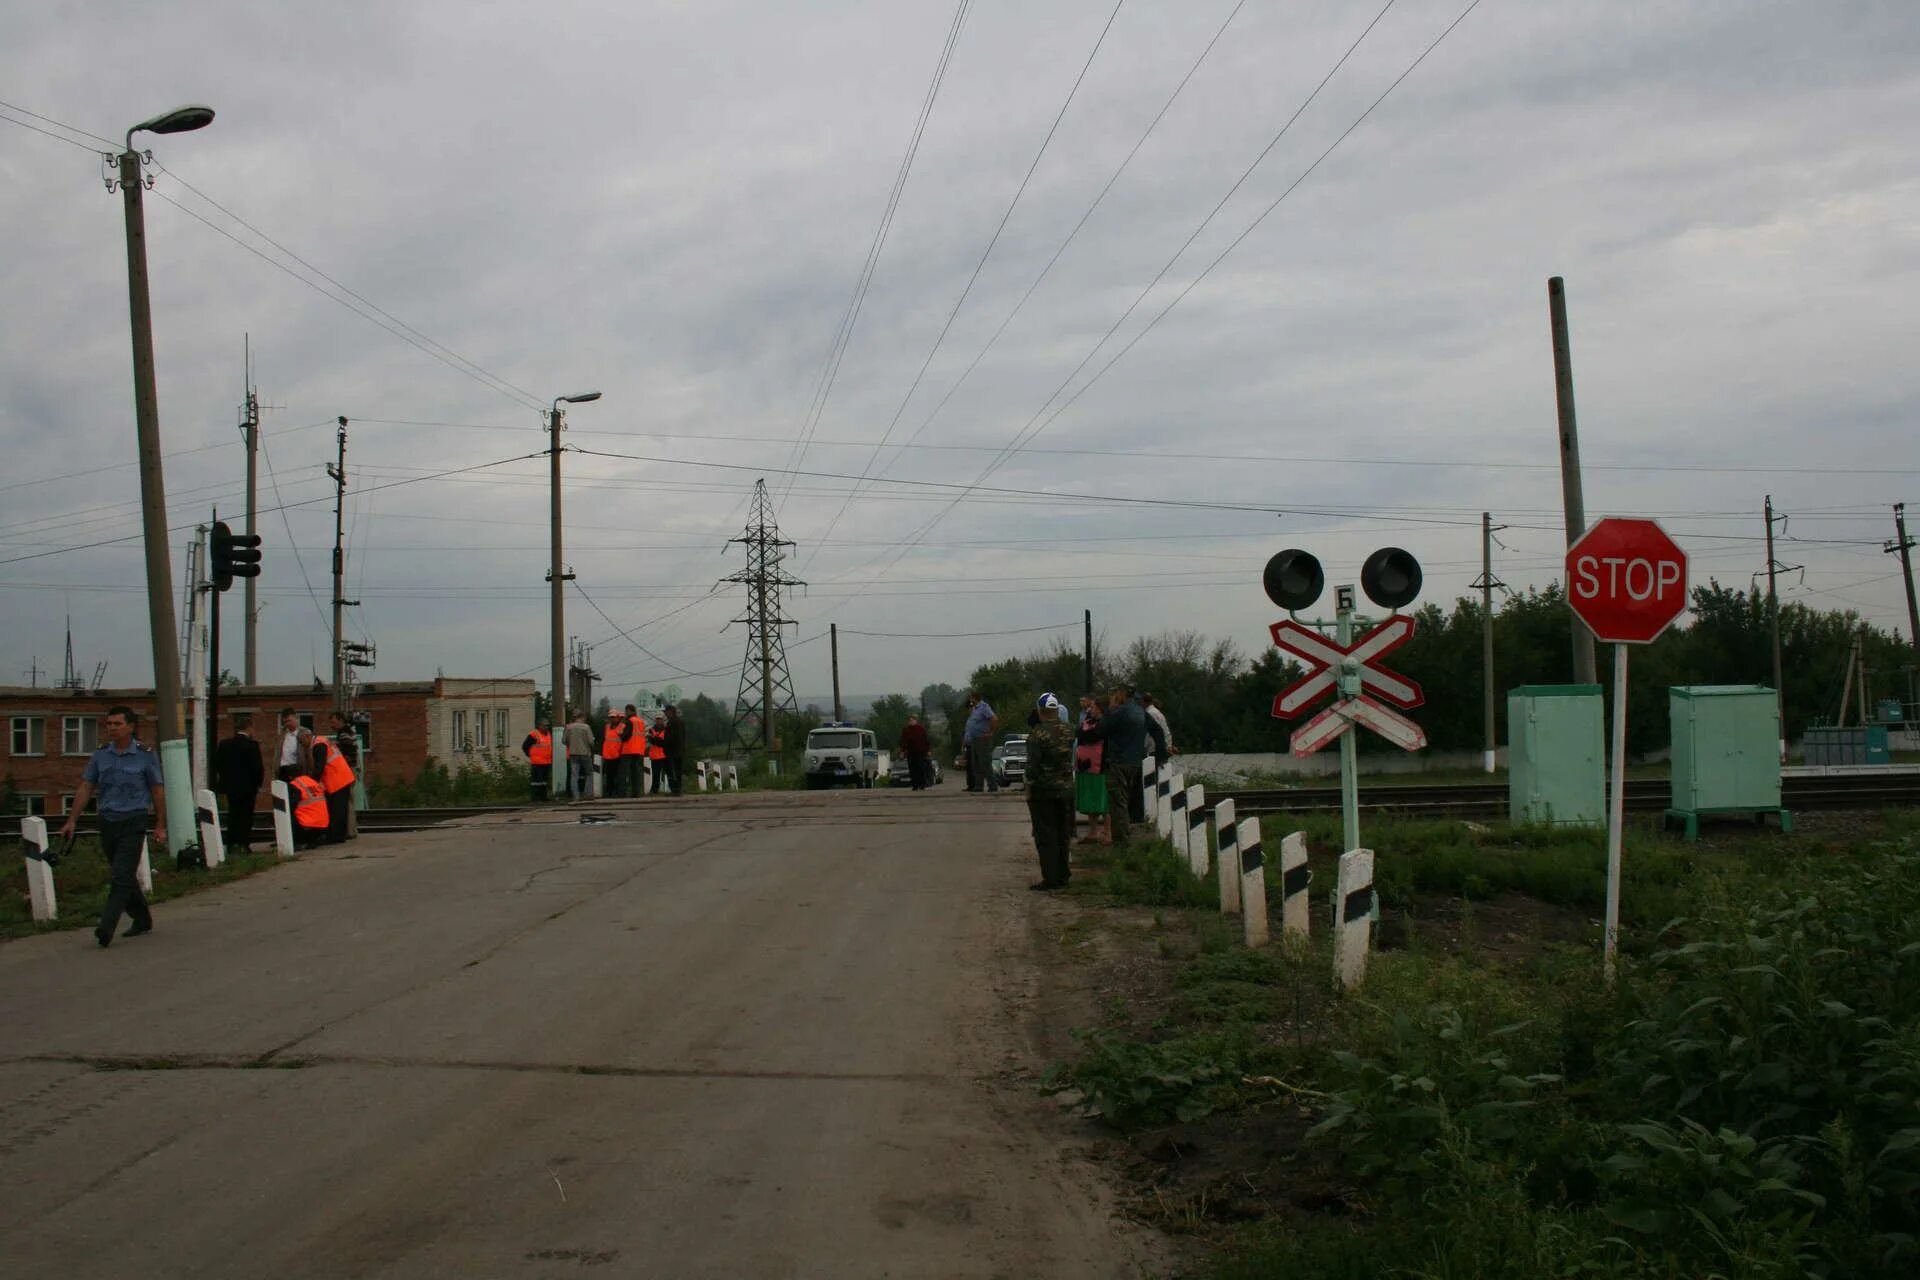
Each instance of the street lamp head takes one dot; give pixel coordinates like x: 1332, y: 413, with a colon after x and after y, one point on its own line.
x: 582, y: 398
x: 179, y: 120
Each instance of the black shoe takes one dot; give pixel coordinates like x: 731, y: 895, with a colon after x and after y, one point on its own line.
x: 104, y: 939
x: 1046, y: 886
x: 138, y: 929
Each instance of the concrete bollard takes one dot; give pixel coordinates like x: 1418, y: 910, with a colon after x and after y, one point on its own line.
x: 1294, y: 878
x: 45, y: 904
x: 1149, y: 788
x: 282, y: 820
x: 1253, y: 883
x: 1226, y: 842
x: 207, y: 813
x: 1172, y: 791
x: 1353, y: 917
x: 1197, y: 830
x: 733, y: 777
x: 1173, y: 818
x: 143, y: 874
x: 703, y: 775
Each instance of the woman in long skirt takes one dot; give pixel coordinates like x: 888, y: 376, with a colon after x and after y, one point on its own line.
x: 1089, y: 782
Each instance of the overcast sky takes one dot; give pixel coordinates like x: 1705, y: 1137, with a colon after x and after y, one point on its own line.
x: 673, y: 203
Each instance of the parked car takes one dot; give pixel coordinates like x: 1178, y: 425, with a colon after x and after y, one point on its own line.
x: 897, y: 771
x: 1009, y: 761
x: 841, y: 753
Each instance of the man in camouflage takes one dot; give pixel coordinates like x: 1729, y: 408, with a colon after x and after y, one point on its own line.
x: 1050, y: 793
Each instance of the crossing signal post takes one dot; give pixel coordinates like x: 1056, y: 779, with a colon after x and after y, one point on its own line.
x: 235, y: 555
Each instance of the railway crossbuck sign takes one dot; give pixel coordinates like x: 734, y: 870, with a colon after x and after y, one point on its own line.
x: 1353, y: 670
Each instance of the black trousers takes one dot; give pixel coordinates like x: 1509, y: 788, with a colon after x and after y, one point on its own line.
x: 542, y: 775
x: 338, y: 803
x: 120, y: 841
x: 239, y: 832
x: 1052, y: 817
x: 980, y: 765
x: 633, y: 768
x: 917, y: 772
x: 673, y: 762
x: 1123, y: 799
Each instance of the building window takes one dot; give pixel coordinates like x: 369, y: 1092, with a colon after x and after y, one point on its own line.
x: 460, y: 731
x: 363, y: 727
x: 66, y: 803
x: 33, y: 804
x: 500, y: 729
x: 79, y: 735
x: 29, y: 737
x: 480, y: 728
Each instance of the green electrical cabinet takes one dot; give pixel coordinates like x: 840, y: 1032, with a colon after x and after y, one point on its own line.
x: 1726, y: 752
x: 1556, y: 755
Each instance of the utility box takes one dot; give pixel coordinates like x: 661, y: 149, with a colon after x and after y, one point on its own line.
x: 1556, y: 755
x: 1726, y: 752
x: 1825, y: 746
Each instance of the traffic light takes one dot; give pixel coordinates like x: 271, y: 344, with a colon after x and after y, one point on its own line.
x: 235, y: 555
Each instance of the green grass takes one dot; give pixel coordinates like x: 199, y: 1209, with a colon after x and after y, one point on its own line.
x: 80, y: 886
x: 1744, y: 1102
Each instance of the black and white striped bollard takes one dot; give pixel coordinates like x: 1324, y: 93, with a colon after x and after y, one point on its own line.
x: 1353, y: 917
x: 206, y: 813
x: 1294, y: 879
x: 45, y: 904
x: 1196, y: 834
x: 282, y: 820
x: 1253, y: 883
x: 1226, y: 843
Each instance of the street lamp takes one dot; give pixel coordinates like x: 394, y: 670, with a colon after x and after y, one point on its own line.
x: 169, y: 731
x: 557, y: 576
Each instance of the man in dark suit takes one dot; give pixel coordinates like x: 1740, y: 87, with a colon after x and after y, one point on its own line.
x: 239, y: 772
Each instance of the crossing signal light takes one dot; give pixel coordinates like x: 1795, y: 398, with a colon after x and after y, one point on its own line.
x: 1293, y: 579
x: 1390, y: 577
x: 235, y: 555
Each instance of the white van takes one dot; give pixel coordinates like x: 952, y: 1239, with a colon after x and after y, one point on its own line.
x: 839, y: 753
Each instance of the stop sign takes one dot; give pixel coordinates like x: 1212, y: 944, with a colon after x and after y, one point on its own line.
x: 1627, y: 580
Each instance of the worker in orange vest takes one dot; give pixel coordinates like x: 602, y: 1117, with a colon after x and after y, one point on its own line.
x: 657, y: 753
x: 633, y: 750
x: 336, y: 780
x: 310, y: 816
x: 538, y: 747
x: 610, y: 755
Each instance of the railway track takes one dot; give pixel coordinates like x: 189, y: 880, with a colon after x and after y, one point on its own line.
x: 372, y: 821
x: 1489, y: 799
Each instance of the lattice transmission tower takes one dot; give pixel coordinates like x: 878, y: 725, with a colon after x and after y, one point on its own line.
x: 765, y: 686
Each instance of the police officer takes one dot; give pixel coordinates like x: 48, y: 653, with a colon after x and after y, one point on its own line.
x: 126, y: 777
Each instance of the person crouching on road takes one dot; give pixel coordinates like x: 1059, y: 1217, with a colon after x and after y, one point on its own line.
x: 126, y: 777
x: 538, y: 747
x: 1050, y: 793
x: 311, y: 818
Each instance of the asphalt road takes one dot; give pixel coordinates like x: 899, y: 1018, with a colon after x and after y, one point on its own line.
x: 755, y: 1036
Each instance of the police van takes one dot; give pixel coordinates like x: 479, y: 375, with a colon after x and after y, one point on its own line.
x: 839, y: 753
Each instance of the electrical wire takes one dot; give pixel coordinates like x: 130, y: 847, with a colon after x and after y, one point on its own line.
x: 979, y: 266
x: 48, y: 133
x: 326, y: 623
x: 843, y: 334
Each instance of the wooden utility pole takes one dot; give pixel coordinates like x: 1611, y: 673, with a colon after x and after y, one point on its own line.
x: 1087, y: 660
x: 250, y: 431
x: 1902, y: 545
x: 833, y: 638
x: 1570, y: 490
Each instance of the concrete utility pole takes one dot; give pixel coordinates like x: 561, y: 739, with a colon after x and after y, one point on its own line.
x: 1773, y: 623
x: 1570, y: 490
x: 169, y: 731
x: 833, y: 640
x: 1902, y: 545
x: 339, y: 473
x: 250, y: 430
x: 557, y: 576
x: 1487, y: 582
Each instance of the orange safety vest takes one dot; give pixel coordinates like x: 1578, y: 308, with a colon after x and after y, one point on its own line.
x: 542, y: 752
x: 309, y: 804
x: 637, y: 744
x: 610, y: 743
x: 657, y: 743
x: 338, y: 774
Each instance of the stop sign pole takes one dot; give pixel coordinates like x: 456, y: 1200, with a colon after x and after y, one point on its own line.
x: 1627, y: 580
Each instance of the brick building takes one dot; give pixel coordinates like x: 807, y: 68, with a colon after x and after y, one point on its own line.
x: 49, y: 733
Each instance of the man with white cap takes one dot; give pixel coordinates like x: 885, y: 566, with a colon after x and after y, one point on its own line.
x: 1050, y: 793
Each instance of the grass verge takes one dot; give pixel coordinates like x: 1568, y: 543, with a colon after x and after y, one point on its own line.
x: 80, y: 887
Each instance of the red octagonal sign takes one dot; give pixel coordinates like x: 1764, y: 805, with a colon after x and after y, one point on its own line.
x: 1627, y: 580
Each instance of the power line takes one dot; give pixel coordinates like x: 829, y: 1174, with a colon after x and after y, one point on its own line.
x: 10, y: 106
x: 1059, y: 250
x: 273, y: 480
x: 1036, y: 426
x: 843, y: 334
x: 957, y: 635
x: 47, y: 133
x: 973, y: 279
